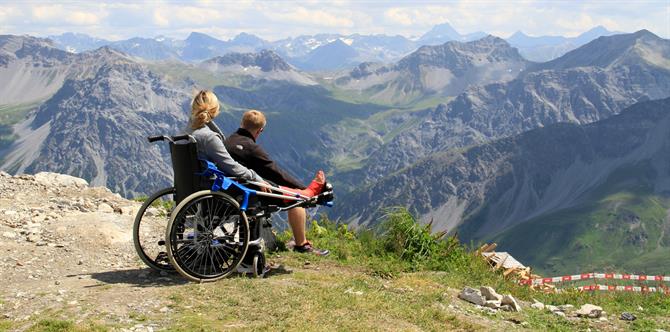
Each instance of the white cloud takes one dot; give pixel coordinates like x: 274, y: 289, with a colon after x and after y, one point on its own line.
x: 160, y: 19
x: 399, y: 15
x: 83, y: 18
x: 311, y: 17
x: 279, y: 19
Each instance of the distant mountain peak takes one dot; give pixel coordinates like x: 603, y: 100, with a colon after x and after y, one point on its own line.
x: 610, y: 50
x: 442, y: 31
x: 199, y: 36
x: 267, y: 60
x: 247, y: 38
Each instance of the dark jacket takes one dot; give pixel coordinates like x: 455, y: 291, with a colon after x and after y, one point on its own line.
x: 243, y: 148
x: 211, y: 147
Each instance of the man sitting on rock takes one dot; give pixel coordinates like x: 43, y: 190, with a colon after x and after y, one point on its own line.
x: 243, y: 148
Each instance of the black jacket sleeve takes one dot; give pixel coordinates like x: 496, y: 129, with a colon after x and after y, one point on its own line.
x: 269, y: 170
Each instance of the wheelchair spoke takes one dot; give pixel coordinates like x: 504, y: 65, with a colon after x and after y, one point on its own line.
x: 209, y: 237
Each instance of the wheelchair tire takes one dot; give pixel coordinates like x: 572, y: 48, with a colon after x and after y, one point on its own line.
x: 207, y: 236
x: 149, y: 230
x: 259, y: 265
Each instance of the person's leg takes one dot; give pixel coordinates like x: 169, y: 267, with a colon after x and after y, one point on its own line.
x: 297, y: 217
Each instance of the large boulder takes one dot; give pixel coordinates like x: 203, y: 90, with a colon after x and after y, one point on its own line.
x: 472, y: 295
x: 56, y: 179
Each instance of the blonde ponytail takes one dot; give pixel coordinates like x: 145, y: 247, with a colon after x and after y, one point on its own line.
x: 204, y: 108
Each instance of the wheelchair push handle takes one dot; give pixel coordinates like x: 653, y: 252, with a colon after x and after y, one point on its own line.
x: 171, y: 139
x: 156, y: 138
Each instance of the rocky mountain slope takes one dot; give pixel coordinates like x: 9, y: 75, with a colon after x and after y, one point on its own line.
x: 515, y: 184
x: 96, y: 127
x: 580, y: 87
x: 32, y: 69
x: 264, y: 65
x: 445, y: 70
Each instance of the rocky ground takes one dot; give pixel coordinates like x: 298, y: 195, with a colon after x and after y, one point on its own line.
x: 61, y: 243
x: 66, y: 257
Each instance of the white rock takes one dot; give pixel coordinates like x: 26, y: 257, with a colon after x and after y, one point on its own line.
x: 105, y: 208
x: 472, y: 295
x: 152, y: 211
x: 492, y: 304
x: 559, y: 313
x: 490, y: 293
x: 129, y: 210
x: 511, y: 301
x: 589, y: 310
x: 566, y: 307
x: 537, y: 305
x: 551, y: 308
x: 9, y: 235
x: 55, y: 179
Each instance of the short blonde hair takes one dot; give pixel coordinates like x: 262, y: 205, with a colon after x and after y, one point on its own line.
x: 253, y: 120
x: 204, y: 108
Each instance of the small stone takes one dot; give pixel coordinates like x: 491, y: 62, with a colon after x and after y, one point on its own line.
x: 492, y: 304
x: 490, y: 294
x: 151, y: 212
x: 537, y: 305
x: 627, y: 316
x: 472, y: 295
x: 506, y: 307
x: 9, y: 235
x: 34, y: 238
x: 105, y: 208
x: 589, y: 310
x: 566, y: 307
x: 128, y: 210
x: 639, y: 308
x: 57, y: 282
x: 72, y: 303
x: 351, y: 291
x: 559, y: 313
x: 511, y: 301
x: 164, y: 309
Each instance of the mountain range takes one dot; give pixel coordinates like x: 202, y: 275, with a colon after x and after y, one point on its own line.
x: 444, y: 129
x: 555, y: 197
x: 321, y: 51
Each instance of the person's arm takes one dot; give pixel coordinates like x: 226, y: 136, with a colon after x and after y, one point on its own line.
x: 269, y: 169
x: 218, y: 154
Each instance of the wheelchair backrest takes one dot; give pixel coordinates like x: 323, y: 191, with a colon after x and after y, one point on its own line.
x: 185, y: 163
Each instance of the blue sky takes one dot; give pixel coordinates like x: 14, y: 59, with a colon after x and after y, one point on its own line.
x: 274, y: 20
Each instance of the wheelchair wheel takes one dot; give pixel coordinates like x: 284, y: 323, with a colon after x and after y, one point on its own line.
x: 259, y: 265
x: 207, y: 236
x: 150, y: 227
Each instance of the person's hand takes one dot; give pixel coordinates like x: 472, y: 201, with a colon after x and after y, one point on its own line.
x: 264, y: 189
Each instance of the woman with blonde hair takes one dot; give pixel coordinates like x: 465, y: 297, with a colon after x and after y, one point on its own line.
x: 204, y: 108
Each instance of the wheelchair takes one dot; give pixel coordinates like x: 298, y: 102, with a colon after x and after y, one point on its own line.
x: 212, y: 224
